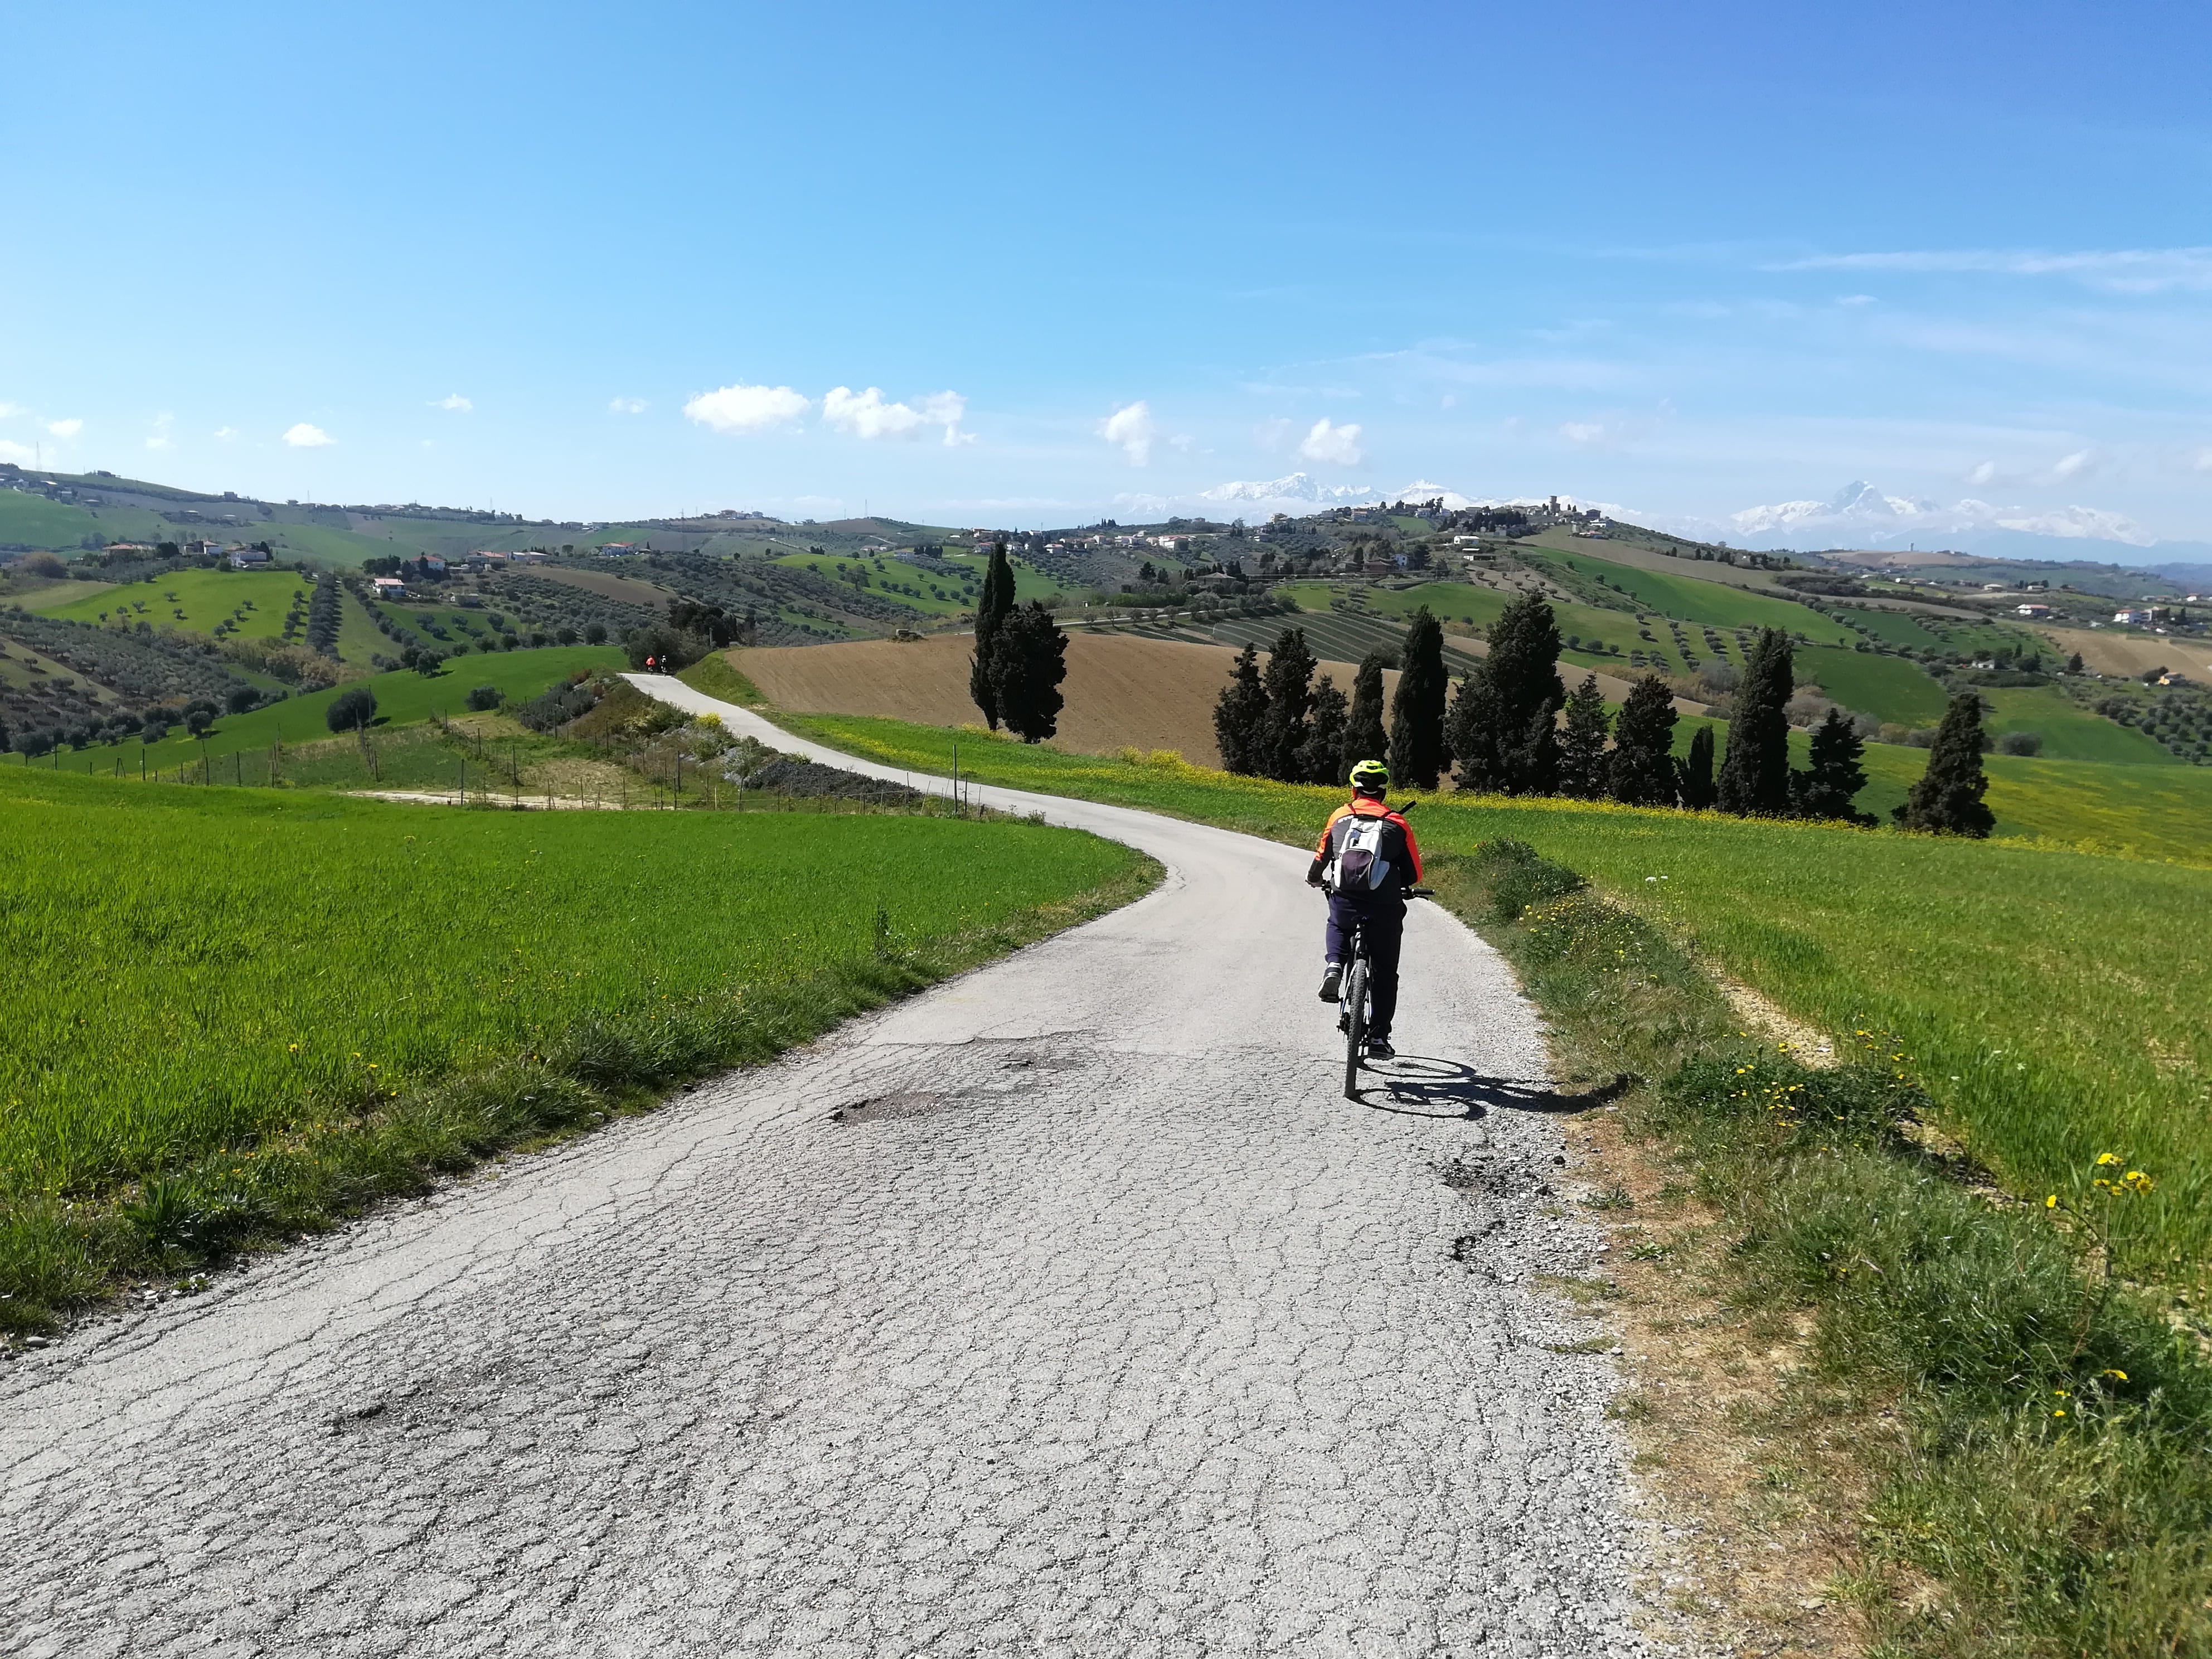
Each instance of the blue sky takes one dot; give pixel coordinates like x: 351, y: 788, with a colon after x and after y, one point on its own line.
x: 1686, y: 259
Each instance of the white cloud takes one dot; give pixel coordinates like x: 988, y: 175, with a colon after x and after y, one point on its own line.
x: 748, y: 408
x: 226, y: 432
x: 1586, y: 433
x: 2202, y: 463
x: 2082, y: 464
x: 454, y: 401
x: 2123, y: 270
x: 865, y: 414
x: 947, y: 410
x: 1272, y: 435
x: 1143, y: 506
x: 159, y: 438
x: 304, y: 436
x: 9, y: 411
x: 21, y: 454
x: 68, y: 428
x: 1339, y: 446
x: 1132, y: 427
x: 626, y: 406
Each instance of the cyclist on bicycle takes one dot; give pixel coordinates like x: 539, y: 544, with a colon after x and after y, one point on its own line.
x: 1366, y: 861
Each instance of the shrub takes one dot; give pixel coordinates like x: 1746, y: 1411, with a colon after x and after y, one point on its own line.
x: 483, y: 698
x: 2021, y: 743
x: 351, y: 709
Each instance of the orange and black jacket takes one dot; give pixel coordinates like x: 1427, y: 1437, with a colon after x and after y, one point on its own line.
x: 1398, y: 844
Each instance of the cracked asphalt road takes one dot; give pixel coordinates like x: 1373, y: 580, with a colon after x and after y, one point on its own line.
x: 1068, y: 1309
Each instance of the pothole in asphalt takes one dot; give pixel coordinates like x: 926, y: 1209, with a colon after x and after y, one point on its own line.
x: 907, y: 1103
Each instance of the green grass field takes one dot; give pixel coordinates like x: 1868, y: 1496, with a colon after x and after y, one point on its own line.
x: 2071, y: 732
x: 1887, y: 687
x: 28, y: 521
x: 253, y: 602
x: 198, y: 974
x: 1691, y: 600
x: 2056, y: 1004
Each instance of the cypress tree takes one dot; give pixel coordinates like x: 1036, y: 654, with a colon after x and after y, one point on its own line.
x: 1532, y: 761
x: 1472, y: 729
x: 1695, y: 780
x: 1826, y: 789
x: 1582, y: 743
x: 1363, y: 726
x: 1523, y: 675
x: 1028, y: 662
x: 1321, y: 757
x: 1240, y: 713
x: 1754, y: 778
x: 1947, y: 798
x: 993, y: 606
x: 1417, y: 712
x: 1642, y: 771
x: 1289, y: 682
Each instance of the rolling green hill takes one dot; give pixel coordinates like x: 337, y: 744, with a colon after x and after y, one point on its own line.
x: 252, y: 603
x: 403, y: 697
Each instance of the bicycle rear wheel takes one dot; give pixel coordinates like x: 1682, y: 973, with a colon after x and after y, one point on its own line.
x: 1355, y: 1025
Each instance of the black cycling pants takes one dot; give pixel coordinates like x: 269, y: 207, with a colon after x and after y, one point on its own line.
x: 1383, y: 922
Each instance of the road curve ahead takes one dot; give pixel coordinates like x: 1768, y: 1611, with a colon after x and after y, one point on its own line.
x: 1068, y: 1309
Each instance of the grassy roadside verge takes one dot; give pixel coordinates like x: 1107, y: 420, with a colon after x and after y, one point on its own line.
x: 240, y: 1015
x: 2029, y: 1440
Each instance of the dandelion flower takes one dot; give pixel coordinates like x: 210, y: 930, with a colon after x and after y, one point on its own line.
x: 2051, y: 1202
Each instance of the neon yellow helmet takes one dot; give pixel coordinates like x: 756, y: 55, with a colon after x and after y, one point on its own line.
x: 1370, y: 775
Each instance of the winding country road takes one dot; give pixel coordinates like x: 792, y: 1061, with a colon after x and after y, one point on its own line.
x: 1065, y: 1308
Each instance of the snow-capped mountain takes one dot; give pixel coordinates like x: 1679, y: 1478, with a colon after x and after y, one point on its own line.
x: 1860, y: 515
x: 1298, y: 487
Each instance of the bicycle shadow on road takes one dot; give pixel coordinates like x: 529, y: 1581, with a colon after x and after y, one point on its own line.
x: 1424, y: 1085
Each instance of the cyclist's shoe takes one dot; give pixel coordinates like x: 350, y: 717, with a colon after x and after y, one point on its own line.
x: 1380, y: 1049
x: 1332, y: 983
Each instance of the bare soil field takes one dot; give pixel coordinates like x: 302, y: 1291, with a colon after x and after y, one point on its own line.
x: 1121, y: 690
x: 2112, y: 652
x: 630, y: 590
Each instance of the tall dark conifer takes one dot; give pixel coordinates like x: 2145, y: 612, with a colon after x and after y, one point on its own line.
x: 1642, y: 770
x: 1288, y: 678
x: 1321, y: 757
x: 993, y: 606
x: 1028, y: 660
x: 1417, y: 712
x: 1364, y: 738
x: 1754, y: 780
x: 1695, y: 778
x: 1826, y: 788
x: 1582, y: 743
x: 1525, y: 693
x: 1472, y: 729
x: 1240, y: 714
x: 1947, y: 798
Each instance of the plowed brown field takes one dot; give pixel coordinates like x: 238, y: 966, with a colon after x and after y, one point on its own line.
x: 1121, y: 690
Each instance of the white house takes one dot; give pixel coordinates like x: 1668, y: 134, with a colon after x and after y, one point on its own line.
x: 387, y: 587
x: 2035, y: 610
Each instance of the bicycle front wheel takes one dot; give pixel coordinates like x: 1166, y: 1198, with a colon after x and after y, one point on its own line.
x: 1355, y: 1025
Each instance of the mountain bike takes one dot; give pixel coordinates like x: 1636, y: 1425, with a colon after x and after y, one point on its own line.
x: 1355, y: 1005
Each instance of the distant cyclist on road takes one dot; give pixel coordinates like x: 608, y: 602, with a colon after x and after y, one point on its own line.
x: 1366, y: 861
